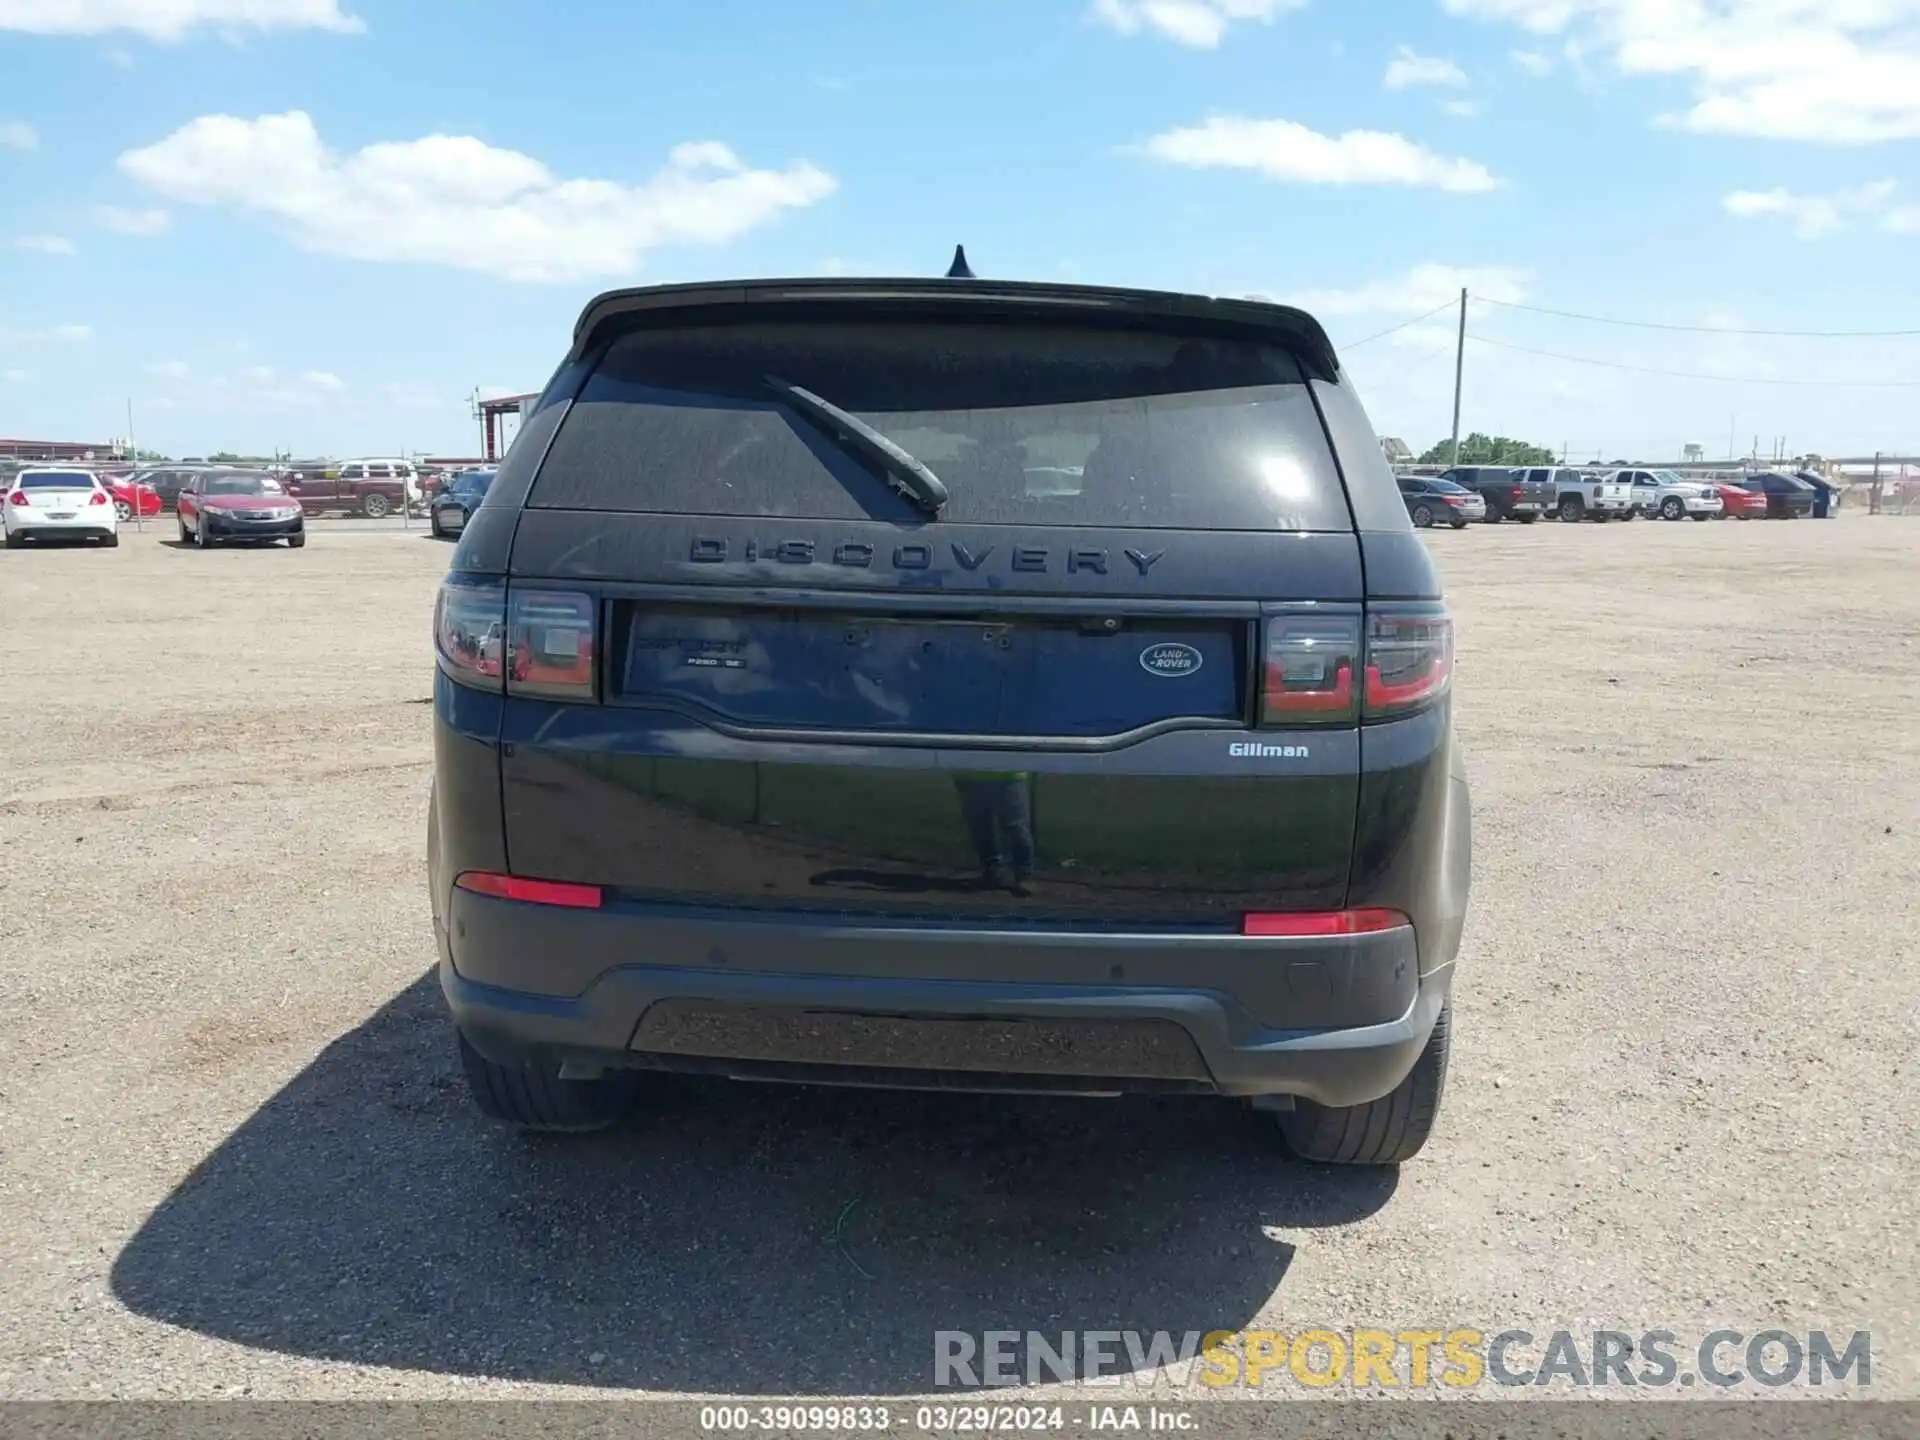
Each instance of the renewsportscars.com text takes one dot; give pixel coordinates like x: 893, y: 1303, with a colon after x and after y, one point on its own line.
x: 1416, y: 1359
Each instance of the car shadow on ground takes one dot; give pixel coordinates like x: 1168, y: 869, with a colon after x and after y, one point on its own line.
x: 728, y: 1238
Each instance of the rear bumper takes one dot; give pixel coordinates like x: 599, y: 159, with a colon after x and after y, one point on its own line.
x: 824, y: 999
x: 43, y: 529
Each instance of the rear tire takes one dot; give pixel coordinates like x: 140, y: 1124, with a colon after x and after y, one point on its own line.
x: 296, y: 542
x: 1386, y: 1131
x: 1706, y: 517
x: 16, y: 542
x: 1526, y: 519
x: 1572, y: 508
x: 203, y: 534
x: 375, y: 506
x: 1459, y: 524
x: 122, y: 511
x: 111, y: 541
x: 1422, y: 517
x: 534, y: 1097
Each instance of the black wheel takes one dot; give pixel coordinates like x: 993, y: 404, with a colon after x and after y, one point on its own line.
x: 1526, y: 519
x: 375, y: 506
x: 1384, y: 1131
x: 111, y: 541
x: 1422, y: 516
x: 1571, y: 507
x: 536, y: 1098
x: 296, y: 542
x: 16, y: 542
x: 1706, y: 517
x: 1459, y: 524
x: 1671, y: 508
x: 203, y: 534
x: 186, y: 535
x: 433, y: 526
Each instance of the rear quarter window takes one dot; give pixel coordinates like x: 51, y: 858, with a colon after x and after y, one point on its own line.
x: 1024, y: 424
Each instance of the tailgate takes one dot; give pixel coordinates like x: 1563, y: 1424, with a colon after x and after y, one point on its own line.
x: 1039, y: 703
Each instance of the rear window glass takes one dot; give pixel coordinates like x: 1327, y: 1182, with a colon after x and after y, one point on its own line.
x: 56, y: 480
x: 1023, y: 424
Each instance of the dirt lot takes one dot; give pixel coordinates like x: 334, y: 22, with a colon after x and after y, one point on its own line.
x: 235, y: 1156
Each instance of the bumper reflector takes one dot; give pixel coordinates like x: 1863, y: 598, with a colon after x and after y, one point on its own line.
x: 1272, y: 924
x: 532, y: 892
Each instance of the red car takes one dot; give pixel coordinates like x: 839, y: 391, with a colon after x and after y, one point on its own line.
x: 126, y: 493
x: 1741, y: 503
x: 248, y: 507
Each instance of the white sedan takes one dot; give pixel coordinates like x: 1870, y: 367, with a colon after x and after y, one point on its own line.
x: 58, y: 504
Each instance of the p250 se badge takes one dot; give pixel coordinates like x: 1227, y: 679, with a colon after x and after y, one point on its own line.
x: 1171, y: 661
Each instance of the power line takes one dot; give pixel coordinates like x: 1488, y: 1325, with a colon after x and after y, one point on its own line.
x: 1697, y: 375
x: 1697, y: 329
x: 1393, y: 330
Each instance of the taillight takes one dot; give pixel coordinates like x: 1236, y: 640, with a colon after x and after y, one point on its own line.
x: 1275, y: 924
x: 99, y: 498
x: 470, y: 632
x: 18, y: 497
x: 532, y: 892
x: 550, y: 644
x: 1516, y: 492
x: 1311, y: 671
x: 1409, y: 659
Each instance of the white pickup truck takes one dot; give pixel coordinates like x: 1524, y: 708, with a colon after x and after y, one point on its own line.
x: 1579, y: 495
x: 1671, y: 496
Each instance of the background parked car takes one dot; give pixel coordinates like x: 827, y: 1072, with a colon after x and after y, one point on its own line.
x: 1579, y: 495
x: 373, y: 488
x: 1672, y: 496
x: 1826, y: 495
x: 457, y: 500
x: 248, y: 506
x: 1509, y: 494
x: 1432, y: 501
x: 58, y: 503
x: 1740, y: 503
x: 1787, y: 498
x: 131, y: 492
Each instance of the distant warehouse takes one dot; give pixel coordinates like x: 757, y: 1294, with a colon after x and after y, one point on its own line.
x: 61, y: 449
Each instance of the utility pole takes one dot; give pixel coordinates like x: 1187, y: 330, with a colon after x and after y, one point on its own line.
x: 1873, y: 496
x: 1732, y: 420
x: 1459, y: 371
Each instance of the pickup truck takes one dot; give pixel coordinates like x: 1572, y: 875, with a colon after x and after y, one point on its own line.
x: 1510, y: 494
x: 1578, y: 495
x: 1671, y: 496
x: 374, y: 488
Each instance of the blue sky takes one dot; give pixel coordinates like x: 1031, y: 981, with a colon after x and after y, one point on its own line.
x: 320, y: 225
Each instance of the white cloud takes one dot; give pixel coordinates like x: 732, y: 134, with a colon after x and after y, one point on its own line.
x: 1424, y: 287
x: 1201, y: 24
x: 169, y: 20
x: 16, y: 377
x: 120, y: 59
x: 1534, y: 62
x: 45, y: 244
x: 1815, y: 215
x: 1835, y: 71
x: 325, y: 380
x: 455, y: 200
x: 1408, y: 69
x: 18, y: 135
x: 52, y: 335
x: 407, y: 395
x: 169, y: 369
x: 1462, y: 109
x: 1284, y: 150
x: 1902, y: 220
x: 133, y: 222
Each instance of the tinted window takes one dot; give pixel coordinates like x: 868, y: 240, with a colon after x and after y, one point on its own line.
x: 241, y: 483
x: 1447, y: 487
x: 474, y: 482
x: 1023, y: 424
x: 55, y: 480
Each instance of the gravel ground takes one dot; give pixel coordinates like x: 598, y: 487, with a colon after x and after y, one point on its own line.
x: 236, y: 1158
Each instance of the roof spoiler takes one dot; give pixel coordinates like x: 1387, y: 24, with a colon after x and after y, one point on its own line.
x: 957, y: 298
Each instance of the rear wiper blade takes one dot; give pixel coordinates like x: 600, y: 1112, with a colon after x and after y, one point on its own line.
x: 906, y: 474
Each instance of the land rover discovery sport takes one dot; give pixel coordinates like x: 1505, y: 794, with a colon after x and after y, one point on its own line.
x: 949, y: 683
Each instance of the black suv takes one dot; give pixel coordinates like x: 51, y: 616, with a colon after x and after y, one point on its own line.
x: 1523, y: 495
x: 949, y: 684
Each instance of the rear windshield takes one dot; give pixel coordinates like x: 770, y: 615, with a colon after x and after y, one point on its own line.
x: 474, y: 482
x: 55, y: 480
x: 1023, y: 424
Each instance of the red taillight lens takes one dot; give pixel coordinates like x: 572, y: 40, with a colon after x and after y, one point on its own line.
x: 1409, y: 660
x: 18, y: 497
x: 1516, y: 492
x: 550, y: 644
x: 1277, y: 924
x: 533, y: 892
x: 470, y: 633
x: 1311, y: 670
x: 99, y: 498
